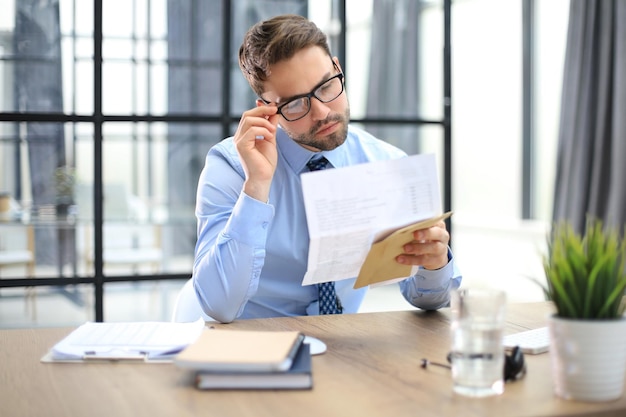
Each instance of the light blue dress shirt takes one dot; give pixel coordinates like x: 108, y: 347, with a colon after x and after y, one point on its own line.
x: 251, y: 256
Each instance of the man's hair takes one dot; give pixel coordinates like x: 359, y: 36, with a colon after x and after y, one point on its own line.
x: 274, y: 40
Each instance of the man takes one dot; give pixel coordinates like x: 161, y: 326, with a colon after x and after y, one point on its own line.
x: 251, y: 253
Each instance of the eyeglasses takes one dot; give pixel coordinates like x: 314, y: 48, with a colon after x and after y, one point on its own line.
x: 300, y: 106
x: 514, y: 364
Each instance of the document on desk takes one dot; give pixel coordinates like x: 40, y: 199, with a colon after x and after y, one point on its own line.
x: 350, y: 209
x: 147, y: 341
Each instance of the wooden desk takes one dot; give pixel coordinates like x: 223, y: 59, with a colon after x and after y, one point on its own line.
x: 371, y: 368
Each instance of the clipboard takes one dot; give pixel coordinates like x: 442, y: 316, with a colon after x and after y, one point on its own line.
x: 380, y: 265
x: 131, y: 341
x: 138, y: 358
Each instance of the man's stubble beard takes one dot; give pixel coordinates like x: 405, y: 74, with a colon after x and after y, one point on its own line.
x: 327, y: 143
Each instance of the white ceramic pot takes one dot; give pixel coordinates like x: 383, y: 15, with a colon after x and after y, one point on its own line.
x: 588, y: 358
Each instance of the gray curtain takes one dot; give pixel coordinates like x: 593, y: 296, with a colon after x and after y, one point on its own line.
x: 393, y: 87
x: 591, y: 172
x: 194, y: 52
x: 39, y: 88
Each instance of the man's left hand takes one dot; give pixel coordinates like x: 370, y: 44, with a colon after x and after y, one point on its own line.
x: 429, y: 248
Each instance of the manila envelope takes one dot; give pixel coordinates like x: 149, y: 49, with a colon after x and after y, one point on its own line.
x: 380, y: 264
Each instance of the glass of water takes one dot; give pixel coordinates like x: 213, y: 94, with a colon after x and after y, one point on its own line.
x: 477, y: 331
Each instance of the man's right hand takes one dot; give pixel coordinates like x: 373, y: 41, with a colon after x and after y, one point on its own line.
x: 255, y: 141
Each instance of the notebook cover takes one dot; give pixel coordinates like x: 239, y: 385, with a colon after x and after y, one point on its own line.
x: 223, y: 350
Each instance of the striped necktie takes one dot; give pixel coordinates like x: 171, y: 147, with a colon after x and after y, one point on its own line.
x: 328, y: 300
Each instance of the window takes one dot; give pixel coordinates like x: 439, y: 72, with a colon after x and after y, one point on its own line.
x: 130, y: 115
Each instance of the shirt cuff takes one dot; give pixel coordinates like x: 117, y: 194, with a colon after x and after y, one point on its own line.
x: 429, y: 279
x: 250, y: 221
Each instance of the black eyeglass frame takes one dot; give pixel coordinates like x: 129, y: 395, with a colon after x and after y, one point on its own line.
x: 309, y: 95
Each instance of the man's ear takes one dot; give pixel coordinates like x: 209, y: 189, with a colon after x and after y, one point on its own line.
x: 336, y: 61
x: 260, y: 102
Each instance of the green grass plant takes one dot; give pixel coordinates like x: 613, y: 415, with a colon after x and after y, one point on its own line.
x: 585, y: 273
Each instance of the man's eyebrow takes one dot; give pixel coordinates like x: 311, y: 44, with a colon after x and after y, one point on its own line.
x: 325, y: 78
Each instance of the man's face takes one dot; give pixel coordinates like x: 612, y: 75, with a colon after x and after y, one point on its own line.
x: 326, y: 125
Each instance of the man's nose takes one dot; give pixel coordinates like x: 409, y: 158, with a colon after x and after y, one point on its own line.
x: 319, y: 110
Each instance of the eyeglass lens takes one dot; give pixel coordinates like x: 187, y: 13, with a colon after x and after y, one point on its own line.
x: 299, y: 107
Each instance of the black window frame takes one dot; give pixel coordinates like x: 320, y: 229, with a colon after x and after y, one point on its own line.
x: 226, y: 120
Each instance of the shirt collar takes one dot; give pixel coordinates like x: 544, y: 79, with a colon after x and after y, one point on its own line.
x: 298, y: 156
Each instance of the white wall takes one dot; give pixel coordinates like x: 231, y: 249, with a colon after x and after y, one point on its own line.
x: 492, y: 245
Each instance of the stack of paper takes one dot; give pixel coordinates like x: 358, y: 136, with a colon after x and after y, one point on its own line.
x: 118, y: 341
x: 360, y: 216
x: 243, y: 359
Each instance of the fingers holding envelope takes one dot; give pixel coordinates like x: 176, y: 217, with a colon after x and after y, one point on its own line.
x: 429, y: 247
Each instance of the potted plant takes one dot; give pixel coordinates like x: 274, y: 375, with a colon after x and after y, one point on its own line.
x: 585, y: 279
x: 64, y: 181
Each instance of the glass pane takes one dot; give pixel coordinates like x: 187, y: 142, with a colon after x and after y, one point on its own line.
x: 46, y: 306
x: 190, y: 25
x: 487, y: 105
x: 358, y: 40
x: 150, y: 174
x: 242, y: 98
x: 158, y: 96
x: 126, y: 89
x: 411, y: 138
x: 430, y: 61
x: 40, y: 54
x: 38, y: 176
x: 118, y: 93
x: 194, y: 89
x: 83, y: 86
x: 117, y: 18
x: 6, y: 67
x: 158, y: 49
x: 117, y: 49
x: 394, y: 59
x: 158, y: 19
x: 141, y: 301
x: 191, y: 80
x: 82, y: 16
x: 142, y: 78
x: 141, y: 19
x: 551, y: 36
x: 17, y: 246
